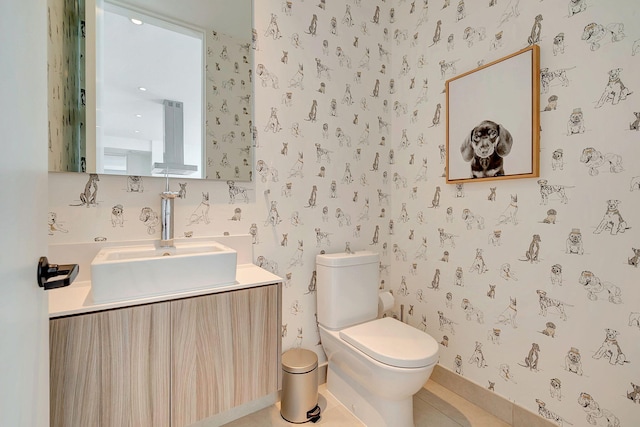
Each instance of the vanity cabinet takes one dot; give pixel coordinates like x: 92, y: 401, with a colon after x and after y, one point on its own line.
x: 165, y: 364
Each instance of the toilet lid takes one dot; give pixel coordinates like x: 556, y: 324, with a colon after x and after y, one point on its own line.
x: 392, y: 342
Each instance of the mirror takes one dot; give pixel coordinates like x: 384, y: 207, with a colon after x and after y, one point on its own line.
x: 172, y: 92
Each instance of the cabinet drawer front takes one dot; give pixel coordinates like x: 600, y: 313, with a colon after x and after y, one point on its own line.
x: 224, y: 352
x: 135, y: 365
x: 74, y: 363
x: 111, y: 368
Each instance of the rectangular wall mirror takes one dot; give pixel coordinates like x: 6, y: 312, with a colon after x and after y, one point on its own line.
x: 151, y: 87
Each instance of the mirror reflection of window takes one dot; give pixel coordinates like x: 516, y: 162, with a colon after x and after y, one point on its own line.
x: 145, y: 62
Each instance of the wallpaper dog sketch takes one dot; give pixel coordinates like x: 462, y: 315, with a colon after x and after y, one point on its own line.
x: 530, y: 286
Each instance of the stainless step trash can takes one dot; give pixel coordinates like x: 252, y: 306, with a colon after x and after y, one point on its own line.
x: 299, y: 398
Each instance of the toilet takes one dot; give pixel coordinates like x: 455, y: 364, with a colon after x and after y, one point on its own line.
x: 375, y: 365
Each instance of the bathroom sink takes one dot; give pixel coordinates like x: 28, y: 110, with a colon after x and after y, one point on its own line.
x: 139, y: 271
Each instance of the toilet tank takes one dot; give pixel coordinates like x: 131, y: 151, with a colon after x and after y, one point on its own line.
x: 347, y: 288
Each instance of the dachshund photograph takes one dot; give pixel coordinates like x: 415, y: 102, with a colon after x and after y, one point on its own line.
x: 487, y: 128
x: 485, y: 147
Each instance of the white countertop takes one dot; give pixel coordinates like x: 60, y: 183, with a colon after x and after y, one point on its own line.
x: 78, y: 299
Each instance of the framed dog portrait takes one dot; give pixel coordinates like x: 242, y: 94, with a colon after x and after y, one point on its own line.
x: 493, y: 120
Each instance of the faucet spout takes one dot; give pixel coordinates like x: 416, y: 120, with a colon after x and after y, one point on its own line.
x: 166, y: 218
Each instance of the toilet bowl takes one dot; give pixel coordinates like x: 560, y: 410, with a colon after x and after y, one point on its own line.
x: 376, y: 367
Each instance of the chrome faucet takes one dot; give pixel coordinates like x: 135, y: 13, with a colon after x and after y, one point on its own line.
x: 166, y: 216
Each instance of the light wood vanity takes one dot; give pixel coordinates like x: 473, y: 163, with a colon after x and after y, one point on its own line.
x: 168, y: 362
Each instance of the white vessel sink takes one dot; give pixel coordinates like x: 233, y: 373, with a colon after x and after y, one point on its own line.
x: 141, y: 271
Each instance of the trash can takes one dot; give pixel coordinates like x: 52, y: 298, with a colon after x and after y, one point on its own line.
x: 299, y: 398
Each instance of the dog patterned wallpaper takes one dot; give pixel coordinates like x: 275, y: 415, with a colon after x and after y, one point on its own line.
x: 323, y: 158
x: 228, y: 115
x: 529, y: 285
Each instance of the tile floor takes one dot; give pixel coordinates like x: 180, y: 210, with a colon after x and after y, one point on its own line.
x: 434, y: 405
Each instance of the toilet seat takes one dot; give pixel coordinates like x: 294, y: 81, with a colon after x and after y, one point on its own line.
x: 392, y: 342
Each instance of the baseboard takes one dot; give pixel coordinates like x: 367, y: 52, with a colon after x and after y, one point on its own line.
x: 489, y: 401
x: 238, y: 412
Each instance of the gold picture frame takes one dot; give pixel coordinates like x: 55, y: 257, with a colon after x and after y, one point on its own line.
x: 493, y: 120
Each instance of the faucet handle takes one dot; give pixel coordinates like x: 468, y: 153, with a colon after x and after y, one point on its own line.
x: 169, y: 194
